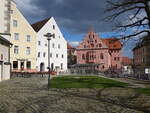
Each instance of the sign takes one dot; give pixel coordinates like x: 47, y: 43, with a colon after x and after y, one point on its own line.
x: 147, y: 71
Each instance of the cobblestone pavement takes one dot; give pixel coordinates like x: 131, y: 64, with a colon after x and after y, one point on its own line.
x: 30, y: 95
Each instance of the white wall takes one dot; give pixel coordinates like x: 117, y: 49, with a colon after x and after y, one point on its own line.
x: 59, y: 39
x: 4, y: 69
x: 2, y: 9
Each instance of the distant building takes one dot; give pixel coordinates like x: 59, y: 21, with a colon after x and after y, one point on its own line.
x: 127, y: 64
x: 58, y: 46
x: 23, y: 37
x: 72, y: 57
x: 106, y: 54
x: 4, y: 59
x: 141, y: 54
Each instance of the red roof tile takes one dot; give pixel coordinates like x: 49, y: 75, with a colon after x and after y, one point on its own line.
x: 113, y: 43
x: 127, y: 61
x: 69, y: 46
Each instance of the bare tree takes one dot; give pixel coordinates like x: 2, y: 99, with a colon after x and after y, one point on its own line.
x: 135, y: 12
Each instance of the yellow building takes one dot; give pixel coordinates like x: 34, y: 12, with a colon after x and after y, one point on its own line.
x: 23, y: 38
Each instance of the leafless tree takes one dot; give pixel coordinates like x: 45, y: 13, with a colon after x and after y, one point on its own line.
x: 136, y: 14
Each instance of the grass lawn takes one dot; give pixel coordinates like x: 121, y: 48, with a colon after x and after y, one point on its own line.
x: 143, y: 90
x: 84, y: 82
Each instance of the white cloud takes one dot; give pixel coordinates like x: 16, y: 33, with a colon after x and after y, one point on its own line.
x: 74, y: 43
x: 27, y: 7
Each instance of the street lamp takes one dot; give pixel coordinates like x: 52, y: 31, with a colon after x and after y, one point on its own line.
x: 49, y: 35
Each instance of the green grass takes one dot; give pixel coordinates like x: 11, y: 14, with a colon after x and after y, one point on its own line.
x: 84, y: 82
x: 144, y: 91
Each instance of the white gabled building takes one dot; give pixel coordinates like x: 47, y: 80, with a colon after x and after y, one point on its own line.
x: 58, y: 46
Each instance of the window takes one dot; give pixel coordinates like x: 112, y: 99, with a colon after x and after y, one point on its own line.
x: 46, y: 44
x: 56, y: 55
x: 51, y: 55
x: 44, y: 54
x: 61, y: 65
x: 53, y: 45
x: 62, y: 56
x: 39, y: 54
x: 28, y: 65
x: 52, y: 66
x: 16, y: 36
x: 54, y: 36
x: 53, y: 26
x: 101, y: 56
x: 15, y: 64
x: 28, y: 38
x: 84, y: 46
x: 16, y: 50
x: 100, y: 45
x: 28, y: 51
x: 39, y: 43
x: 103, y: 67
x: 58, y: 46
x: 15, y: 23
x: 83, y: 57
x: 115, y: 58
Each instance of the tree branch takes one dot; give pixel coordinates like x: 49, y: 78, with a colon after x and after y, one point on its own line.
x: 136, y: 34
x: 113, y: 16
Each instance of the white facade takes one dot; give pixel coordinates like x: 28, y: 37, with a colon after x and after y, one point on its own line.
x: 4, y: 44
x: 58, y: 48
x: 4, y: 59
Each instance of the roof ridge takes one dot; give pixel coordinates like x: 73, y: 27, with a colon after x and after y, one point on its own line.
x: 38, y: 25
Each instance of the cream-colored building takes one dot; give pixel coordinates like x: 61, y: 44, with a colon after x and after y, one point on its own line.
x: 23, y: 38
x: 5, y: 9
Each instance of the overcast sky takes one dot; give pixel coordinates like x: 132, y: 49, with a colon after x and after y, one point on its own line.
x: 74, y: 17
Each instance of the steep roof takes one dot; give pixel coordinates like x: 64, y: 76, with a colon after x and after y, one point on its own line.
x: 38, y: 25
x: 5, y: 40
x: 112, y: 43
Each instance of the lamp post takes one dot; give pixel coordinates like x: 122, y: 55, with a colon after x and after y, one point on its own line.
x: 49, y: 35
